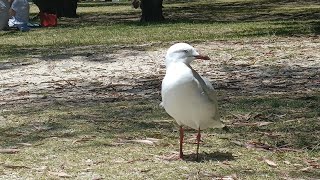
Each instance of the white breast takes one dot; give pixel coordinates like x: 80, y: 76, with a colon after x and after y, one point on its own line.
x: 185, y: 100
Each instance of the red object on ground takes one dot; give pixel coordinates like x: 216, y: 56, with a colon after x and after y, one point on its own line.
x: 48, y: 20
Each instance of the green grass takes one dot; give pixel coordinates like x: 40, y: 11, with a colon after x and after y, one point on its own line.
x: 108, y: 24
x: 90, y: 139
x: 86, y: 141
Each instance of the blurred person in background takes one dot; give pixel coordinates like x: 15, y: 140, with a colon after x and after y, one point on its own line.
x: 19, y: 14
x: 4, y: 14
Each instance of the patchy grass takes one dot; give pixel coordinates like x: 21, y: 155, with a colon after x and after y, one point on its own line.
x: 93, y: 140
x: 270, y: 135
x: 108, y: 24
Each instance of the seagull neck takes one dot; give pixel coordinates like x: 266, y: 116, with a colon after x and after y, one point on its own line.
x: 178, y: 63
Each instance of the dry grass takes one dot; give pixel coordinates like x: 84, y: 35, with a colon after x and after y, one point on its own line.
x: 96, y: 119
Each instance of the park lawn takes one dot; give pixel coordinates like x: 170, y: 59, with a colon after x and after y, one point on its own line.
x: 197, y: 21
x: 268, y: 137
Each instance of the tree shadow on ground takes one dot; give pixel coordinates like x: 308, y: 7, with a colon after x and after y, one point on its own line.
x: 133, y: 111
x: 209, y: 12
x: 97, y: 53
x: 252, y: 11
x: 228, y: 12
x: 100, y: 4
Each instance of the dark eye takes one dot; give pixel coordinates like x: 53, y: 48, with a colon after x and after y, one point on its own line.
x: 186, y: 51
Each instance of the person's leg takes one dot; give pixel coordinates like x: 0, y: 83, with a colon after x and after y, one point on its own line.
x: 23, y: 27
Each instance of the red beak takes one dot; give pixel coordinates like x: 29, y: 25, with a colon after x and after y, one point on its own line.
x: 202, y: 57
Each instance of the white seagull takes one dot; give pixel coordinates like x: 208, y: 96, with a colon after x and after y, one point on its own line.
x: 186, y: 96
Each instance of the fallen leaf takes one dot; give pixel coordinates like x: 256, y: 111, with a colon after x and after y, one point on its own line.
x: 287, y: 162
x: 60, y: 174
x: 270, y: 163
x: 258, y: 124
x: 149, y: 141
x: 258, y: 145
x: 244, y: 117
x: 143, y: 141
x: 135, y: 160
x: 237, y: 143
x: 25, y: 144
x: 83, y: 139
x: 289, y: 149
x: 263, y: 123
x: 9, y: 151
x: 41, y: 127
x: 270, y: 134
x: 306, y: 169
x: 231, y: 177
x: 312, y: 163
x: 297, y: 165
x: 171, y: 157
x: 153, y: 139
x: 145, y: 170
x: 41, y: 168
x: 15, y: 166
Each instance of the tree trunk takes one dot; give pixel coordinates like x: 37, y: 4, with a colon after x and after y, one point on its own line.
x: 151, y: 10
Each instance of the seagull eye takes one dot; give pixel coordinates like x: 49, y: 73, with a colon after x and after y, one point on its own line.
x: 186, y: 51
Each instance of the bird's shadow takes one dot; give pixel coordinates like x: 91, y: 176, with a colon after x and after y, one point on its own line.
x: 203, y: 157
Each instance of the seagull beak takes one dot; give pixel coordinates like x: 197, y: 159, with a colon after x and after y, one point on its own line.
x: 202, y: 57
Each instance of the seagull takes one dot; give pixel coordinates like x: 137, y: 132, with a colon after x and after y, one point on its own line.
x: 186, y: 96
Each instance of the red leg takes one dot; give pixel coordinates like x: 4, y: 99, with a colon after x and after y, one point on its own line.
x: 181, y: 141
x: 198, y: 142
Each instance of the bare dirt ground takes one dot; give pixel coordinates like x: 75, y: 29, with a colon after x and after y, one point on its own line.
x: 287, y: 66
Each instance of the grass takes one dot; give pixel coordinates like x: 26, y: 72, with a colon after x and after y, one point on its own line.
x: 88, y: 141
x: 108, y: 24
x: 101, y: 139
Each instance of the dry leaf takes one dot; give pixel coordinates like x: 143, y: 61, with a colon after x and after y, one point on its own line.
x: 83, y: 139
x: 231, y: 177
x: 145, y: 170
x: 41, y: 127
x: 135, y: 160
x: 306, y: 169
x: 25, y: 144
x: 143, y: 141
x: 41, y: 168
x: 60, y: 174
x: 287, y: 162
x: 258, y: 145
x: 258, y: 124
x: 244, y: 117
x: 237, y: 143
x: 171, y: 157
x: 15, y: 166
x: 149, y: 141
x: 153, y: 139
x: 263, y: 123
x: 270, y: 134
x: 9, y: 151
x: 289, y: 149
x: 270, y: 163
x: 297, y: 165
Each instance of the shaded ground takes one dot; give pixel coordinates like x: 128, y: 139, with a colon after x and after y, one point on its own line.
x: 92, y: 113
x: 285, y: 66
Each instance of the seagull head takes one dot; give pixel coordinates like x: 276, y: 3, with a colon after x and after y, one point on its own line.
x: 183, y: 52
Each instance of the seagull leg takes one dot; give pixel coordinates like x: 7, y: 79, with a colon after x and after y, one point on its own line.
x: 181, y: 141
x: 198, y: 142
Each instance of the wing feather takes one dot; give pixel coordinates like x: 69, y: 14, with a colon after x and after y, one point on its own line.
x: 209, y: 91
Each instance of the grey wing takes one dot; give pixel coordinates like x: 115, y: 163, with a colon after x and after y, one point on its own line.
x: 205, y: 85
x: 208, y: 89
x: 211, y: 93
